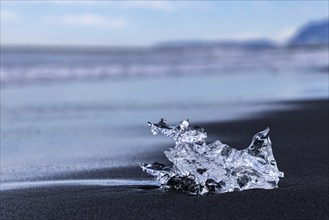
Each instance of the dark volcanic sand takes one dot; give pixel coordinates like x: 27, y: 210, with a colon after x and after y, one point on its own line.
x: 300, y: 145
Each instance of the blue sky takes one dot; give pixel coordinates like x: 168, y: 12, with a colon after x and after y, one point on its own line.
x: 140, y: 23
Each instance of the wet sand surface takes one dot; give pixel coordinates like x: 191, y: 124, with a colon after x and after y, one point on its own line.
x: 300, y: 146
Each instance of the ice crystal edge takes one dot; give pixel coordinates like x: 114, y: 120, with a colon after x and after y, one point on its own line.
x: 201, y: 168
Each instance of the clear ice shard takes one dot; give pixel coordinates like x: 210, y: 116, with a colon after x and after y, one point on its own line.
x: 200, y: 168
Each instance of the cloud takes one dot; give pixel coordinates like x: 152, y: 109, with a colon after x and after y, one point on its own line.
x: 154, y: 5
x: 285, y: 34
x: 8, y: 15
x: 70, y: 2
x: 136, y: 4
x: 263, y: 6
x: 87, y: 20
x: 280, y: 36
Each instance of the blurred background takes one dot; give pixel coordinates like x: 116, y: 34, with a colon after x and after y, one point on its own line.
x: 80, y: 79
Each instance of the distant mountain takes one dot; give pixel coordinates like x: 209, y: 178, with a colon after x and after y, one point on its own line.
x: 314, y: 33
x: 248, y: 44
x: 258, y: 44
x: 311, y: 34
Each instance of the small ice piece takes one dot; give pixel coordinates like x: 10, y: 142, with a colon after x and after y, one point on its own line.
x: 200, y: 168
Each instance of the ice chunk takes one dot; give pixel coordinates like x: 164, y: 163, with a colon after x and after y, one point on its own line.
x: 200, y: 168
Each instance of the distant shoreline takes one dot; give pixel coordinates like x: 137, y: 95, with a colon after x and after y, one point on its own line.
x: 108, y: 48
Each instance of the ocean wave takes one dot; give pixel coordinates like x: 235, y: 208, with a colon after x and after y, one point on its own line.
x: 21, y: 67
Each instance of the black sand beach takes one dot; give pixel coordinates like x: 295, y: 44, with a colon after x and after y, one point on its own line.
x: 300, y: 145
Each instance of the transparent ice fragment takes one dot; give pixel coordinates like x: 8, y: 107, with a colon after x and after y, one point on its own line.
x: 200, y: 168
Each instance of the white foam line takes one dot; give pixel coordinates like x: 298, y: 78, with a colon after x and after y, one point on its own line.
x: 87, y: 182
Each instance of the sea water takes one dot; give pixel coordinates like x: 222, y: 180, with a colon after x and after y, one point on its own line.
x: 67, y: 111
